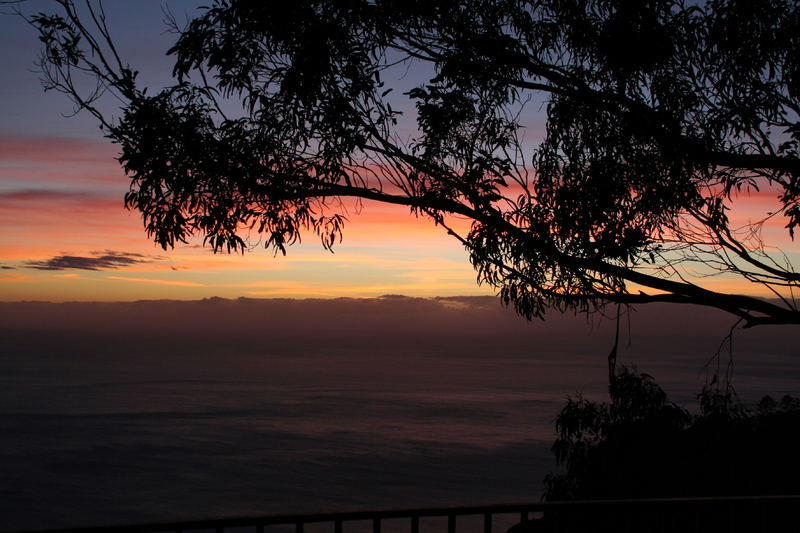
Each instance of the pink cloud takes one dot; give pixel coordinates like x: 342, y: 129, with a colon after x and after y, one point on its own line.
x: 57, y: 150
x: 48, y: 196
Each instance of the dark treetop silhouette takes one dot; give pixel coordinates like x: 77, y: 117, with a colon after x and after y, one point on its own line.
x: 661, y: 115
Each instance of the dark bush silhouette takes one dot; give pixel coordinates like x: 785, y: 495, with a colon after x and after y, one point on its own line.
x: 639, y: 445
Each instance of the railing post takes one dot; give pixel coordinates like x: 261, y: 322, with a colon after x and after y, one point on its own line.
x: 556, y: 514
x: 451, y: 523
x: 376, y: 525
x: 337, y: 526
x: 415, y: 524
x: 298, y: 528
x: 487, y: 523
x: 523, y: 516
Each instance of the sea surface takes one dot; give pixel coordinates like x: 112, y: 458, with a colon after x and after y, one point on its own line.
x: 152, y: 411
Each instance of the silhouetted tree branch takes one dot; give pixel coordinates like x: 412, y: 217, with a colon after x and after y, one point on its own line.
x: 660, y: 117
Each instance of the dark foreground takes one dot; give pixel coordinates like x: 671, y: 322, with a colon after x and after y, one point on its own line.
x: 730, y: 514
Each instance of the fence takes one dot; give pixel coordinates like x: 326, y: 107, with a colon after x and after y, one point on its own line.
x: 662, y: 515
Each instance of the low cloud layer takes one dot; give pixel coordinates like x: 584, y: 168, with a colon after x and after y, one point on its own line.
x: 105, y: 260
x: 343, y: 336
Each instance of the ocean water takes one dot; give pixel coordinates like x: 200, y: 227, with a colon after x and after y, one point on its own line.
x: 124, y: 413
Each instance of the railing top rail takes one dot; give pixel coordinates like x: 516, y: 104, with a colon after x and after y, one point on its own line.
x: 503, y: 508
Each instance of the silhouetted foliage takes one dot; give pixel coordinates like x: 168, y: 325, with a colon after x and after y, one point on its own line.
x: 662, y: 116
x: 639, y: 445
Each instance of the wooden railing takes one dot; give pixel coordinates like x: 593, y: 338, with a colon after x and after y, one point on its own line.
x: 663, y: 515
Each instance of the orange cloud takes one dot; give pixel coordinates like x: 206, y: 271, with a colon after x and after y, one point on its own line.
x: 335, y: 291
x: 176, y: 283
x: 14, y: 279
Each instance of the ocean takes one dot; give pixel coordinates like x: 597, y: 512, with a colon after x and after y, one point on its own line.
x: 114, y: 413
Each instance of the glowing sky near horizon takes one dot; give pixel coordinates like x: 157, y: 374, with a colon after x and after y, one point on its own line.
x: 64, y: 234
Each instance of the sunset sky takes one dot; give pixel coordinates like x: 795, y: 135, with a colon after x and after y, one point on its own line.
x: 64, y: 234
